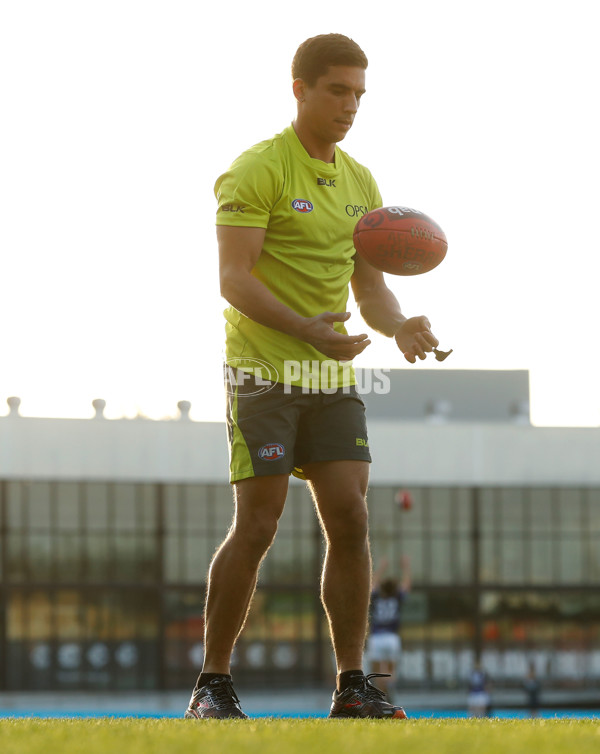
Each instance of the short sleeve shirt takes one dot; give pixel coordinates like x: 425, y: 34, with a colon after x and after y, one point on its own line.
x: 309, y: 209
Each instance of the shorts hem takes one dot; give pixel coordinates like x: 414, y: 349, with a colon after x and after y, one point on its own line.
x: 298, y: 470
x: 342, y: 456
x: 238, y: 476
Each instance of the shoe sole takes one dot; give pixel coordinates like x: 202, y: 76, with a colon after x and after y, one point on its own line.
x: 399, y: 714
x: 191, y: 716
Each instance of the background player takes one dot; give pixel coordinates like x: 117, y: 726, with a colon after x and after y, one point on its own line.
x: 532, y: 687
x: 287, y: 209
x: 384, y: 644
x: 478, y: 699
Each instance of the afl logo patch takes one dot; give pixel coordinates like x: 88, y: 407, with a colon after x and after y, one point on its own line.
x: 272, y: 451
x: 302, y: 205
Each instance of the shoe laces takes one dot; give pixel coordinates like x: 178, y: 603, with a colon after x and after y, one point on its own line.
x: 372, y: 693
x: 222, y: 693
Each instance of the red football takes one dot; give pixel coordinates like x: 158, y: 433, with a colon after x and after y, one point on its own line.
x: 404, y: 500
x: 400, y: 240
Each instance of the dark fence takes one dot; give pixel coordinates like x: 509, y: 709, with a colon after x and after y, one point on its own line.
x: 102, y: 585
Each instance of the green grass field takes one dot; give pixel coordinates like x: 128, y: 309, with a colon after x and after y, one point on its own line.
x: 270, y: 736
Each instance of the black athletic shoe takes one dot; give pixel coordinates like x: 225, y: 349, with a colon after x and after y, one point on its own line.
x: 215, y: 699
x: 362, y: 699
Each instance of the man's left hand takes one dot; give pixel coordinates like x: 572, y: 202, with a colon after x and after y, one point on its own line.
x: 415, y: 339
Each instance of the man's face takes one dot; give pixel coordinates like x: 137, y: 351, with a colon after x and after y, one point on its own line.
x: 331, y: 104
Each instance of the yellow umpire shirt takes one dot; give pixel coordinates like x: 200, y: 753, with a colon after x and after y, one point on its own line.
x: 309, y: 209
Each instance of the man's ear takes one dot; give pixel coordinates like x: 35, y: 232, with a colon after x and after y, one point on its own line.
x: 299, y: 89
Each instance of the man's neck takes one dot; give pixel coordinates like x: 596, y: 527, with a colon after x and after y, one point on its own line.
x: 316, y: 148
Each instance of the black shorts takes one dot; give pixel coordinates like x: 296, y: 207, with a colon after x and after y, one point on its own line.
x: 278, y: 428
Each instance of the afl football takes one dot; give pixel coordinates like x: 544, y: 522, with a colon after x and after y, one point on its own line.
x: 400, y: 241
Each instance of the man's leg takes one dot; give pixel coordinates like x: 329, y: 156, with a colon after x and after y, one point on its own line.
x: 339, y: 490
x: 233, y: 572
x: 232, y: 579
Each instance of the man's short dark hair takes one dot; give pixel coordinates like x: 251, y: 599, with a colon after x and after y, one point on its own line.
x: 389, y: 588
x: 313, y: 57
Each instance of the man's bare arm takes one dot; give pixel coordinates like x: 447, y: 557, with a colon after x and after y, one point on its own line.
x: 381, y: 311
x: 239, y: 250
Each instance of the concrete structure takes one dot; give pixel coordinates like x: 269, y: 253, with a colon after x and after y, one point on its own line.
x: 431, y: 427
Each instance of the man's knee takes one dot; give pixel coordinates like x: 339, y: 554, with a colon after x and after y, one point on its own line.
x: 350, y: 526
x: 255, y: 527
x: 256, y: 533
x: 258, y: 506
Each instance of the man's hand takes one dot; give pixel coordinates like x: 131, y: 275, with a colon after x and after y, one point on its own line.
x: 415, y: 339
x: 319, y: 332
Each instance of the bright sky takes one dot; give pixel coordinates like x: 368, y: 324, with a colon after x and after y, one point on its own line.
x: 117, y: 117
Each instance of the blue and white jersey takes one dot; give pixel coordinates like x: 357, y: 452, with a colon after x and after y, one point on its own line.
x: 385, y: 612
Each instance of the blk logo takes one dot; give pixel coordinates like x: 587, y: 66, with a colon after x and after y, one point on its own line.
x: 325, y: 182
x: 302, y: 205
x: 272, y: 451
x: 233, y: 208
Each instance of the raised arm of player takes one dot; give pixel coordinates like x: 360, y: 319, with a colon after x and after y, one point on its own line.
x: 239, y: 249
x: 406, y: 582
x: 381, y: 311
x: 379, y: 573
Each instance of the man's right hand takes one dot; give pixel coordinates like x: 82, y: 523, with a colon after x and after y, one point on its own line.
x: 318, y: 332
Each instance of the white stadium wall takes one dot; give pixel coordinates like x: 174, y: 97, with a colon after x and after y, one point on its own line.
x: 450, y: 453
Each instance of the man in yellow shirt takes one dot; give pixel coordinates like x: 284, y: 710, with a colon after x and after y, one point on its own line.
x: 286, y: 211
